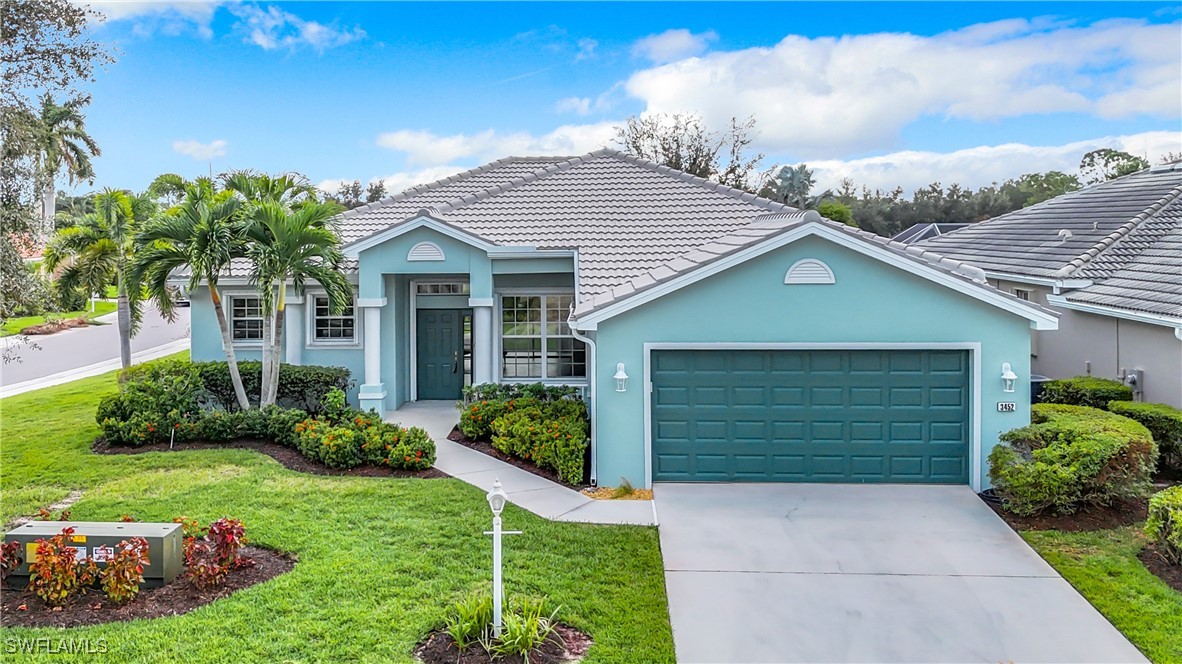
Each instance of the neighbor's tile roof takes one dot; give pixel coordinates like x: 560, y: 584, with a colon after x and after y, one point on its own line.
x: 920, y: 232
x: 1124, y: 234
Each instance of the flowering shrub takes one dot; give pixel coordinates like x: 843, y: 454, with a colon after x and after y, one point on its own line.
x: 10, y: 559
x: 58, y: 571
x: 364, y: 439
x: 552, y: 435
x: 124, y: 573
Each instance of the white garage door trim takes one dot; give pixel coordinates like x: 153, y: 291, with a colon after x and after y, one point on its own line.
x: 974, y: 348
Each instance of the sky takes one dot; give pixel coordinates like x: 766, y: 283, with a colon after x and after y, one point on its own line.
x: 887, y: 94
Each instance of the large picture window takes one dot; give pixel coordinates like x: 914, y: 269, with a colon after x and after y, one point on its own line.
x: 330, y: 328
x: 536, y: 342
x: 246, y: 319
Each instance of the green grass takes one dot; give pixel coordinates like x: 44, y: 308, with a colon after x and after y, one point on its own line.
x: 1104, y: 568
x: 379, y: 558
x: 15, y: 325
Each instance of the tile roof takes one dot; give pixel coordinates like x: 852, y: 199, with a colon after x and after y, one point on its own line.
x: 1125, y: 235
x: 920, y: 232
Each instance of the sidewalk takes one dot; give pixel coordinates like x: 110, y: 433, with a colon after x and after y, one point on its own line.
x: 538, y: 495
x: 93, y: 369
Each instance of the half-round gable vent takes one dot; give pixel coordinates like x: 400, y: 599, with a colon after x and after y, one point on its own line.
x: 809, y: 271
x: 425, y: 251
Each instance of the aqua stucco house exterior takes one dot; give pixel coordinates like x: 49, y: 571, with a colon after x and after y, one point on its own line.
x: 717, y: 336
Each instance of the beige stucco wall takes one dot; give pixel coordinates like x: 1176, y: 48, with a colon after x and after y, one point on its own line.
x: 1105, y: 346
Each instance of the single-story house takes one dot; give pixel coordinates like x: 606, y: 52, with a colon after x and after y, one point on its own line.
x: 1108, y: 259
x: 717, y: 336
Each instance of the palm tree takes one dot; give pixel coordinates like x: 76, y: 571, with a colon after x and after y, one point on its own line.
x: 103, y: 244
x: 62, y: 141
x: 287, y: 189
x: 292, y: 247
x: 203, y: 234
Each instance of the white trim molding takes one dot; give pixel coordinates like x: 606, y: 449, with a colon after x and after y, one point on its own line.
x: 976, y: 472
x: 425, y: 251
x: 1040, y: 318
x: 1100, y: 310
x: 809, y: 271
x: 363, y: 302
x: 310, y: 340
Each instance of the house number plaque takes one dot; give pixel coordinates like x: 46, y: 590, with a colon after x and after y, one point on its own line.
x: 1006, y: 407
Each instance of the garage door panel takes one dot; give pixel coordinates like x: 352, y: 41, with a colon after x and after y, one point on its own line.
x: 844, y: 416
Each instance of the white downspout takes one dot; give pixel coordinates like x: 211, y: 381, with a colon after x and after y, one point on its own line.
x: 590, y: 363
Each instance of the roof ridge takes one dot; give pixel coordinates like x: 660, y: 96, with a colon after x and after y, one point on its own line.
x: 1077, y: 263
x: 441, y: 182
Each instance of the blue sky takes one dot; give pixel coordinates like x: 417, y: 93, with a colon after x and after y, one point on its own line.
x: 885, y: 93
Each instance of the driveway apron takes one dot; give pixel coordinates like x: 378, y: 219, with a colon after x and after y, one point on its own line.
x: 860, y: 573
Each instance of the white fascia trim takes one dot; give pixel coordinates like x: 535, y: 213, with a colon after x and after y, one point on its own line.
x: 363, y: 302
x: 354, y: 249
x: 481, y: 301
x: 976, y: 469
x: 1140, y: 317
x: 1041, y: 320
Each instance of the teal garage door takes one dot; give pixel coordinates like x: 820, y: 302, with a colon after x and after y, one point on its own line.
x: 810, y: 416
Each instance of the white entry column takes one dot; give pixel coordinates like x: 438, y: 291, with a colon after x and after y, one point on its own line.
x: 293, y: 331
x: 482, y: 340
x: 372, y: 394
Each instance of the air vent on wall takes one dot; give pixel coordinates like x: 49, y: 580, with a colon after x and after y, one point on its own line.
x: 425, y: 251
x: 809, y: 271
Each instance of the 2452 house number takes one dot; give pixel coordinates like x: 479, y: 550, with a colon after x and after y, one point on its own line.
x: 1006, y: 407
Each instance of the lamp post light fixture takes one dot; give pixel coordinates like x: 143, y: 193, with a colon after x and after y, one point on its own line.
x: 621, y: 378
x: 496, y: 502
x: 1008, y: 377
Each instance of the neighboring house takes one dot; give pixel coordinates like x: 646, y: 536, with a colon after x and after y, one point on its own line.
x: 1109, y: 258
x: 921, y: 232
x: 759, y: 343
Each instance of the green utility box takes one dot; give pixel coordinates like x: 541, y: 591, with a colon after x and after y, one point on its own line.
x: 100, y: 540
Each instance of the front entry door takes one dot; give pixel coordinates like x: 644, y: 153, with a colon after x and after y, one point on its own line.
x: 442, y: 352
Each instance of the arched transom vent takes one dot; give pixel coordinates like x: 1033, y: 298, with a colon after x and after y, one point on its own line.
x: 425, y: 251
x: 809, y: 271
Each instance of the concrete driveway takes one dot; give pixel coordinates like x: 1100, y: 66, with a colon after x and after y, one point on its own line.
x: 854, y: 573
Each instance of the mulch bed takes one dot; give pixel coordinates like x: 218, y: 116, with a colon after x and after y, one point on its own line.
x: 566, y: 644
x: 55, y: 326
x: 291, y: 459
x: 457, y: 436
x: 180, y: 596
x: 1123, y: 513
x: 1155, y: 561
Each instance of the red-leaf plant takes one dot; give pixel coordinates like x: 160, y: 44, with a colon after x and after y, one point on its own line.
x: 58, y: 573
x: 124, y: 572
x: 208, y: 559
x: 10, y: 559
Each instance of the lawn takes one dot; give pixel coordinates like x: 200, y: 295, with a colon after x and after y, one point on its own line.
x: 1103, y: 567
x: 14, y: 325
x: 379, y: 558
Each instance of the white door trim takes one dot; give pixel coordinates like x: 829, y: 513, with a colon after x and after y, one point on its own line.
x: 974, y: 348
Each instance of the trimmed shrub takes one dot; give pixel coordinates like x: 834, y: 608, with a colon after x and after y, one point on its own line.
x: 553, y: 435
x: 1085, y: 391
x: 1164, y: 525
x: 300, y: 386
x: 364, y: 439
x: 1071, y: 456
x: 154, y: 400
x: 1164, y: 422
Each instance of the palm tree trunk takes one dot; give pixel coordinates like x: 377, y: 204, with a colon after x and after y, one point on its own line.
x: 123, y: 307
x: 277, y: 348
x: 265, y: 378
x: 48, y: 211
x: 228, y: 345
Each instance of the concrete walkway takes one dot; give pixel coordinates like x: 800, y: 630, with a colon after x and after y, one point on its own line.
x: 538, y: 495
x: 864, y: 573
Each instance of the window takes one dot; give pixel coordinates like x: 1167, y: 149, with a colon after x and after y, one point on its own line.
x: 327, y: 327
x: 445, y: 288
x: 1022, y: 294
x: 246, y: 319
x: 536, y: 341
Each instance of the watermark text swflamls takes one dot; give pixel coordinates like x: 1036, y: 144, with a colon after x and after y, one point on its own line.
x: 46, y: 645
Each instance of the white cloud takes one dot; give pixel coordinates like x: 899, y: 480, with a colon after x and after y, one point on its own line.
x: 853, y: 94
x: 673, y: 45
x: 980, y: 166
x: 271, y: 27
x: 171, y: 17
x: 201, y: 151
x: 426, y: 149
x: 586, y: 47
x: 576, y: 105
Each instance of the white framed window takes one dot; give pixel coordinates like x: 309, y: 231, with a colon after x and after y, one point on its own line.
x: 330, y: 328
x: 441, y: 288
x: 1022, y: 294
x: 536, y: 342
x: 246, y: 319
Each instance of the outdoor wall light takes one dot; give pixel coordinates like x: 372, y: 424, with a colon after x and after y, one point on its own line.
x: 621, y: 378
x: 1007, y: 377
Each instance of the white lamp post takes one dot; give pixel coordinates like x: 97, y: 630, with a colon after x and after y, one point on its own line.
x: 496, y: 501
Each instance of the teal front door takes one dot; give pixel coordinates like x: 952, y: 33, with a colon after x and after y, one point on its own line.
x: 810, y: 416
x: 443, y: 340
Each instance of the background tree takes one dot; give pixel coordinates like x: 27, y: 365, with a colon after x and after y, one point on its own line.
x: 790, y: 186
x: 62, y: 144
x: 202, y: 235
x: 839, y: 212
x: 683, y: 142
x: 103, y: 245
x: 1108, y: 164
x: 375, y: 192
x: 1039, y: 187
